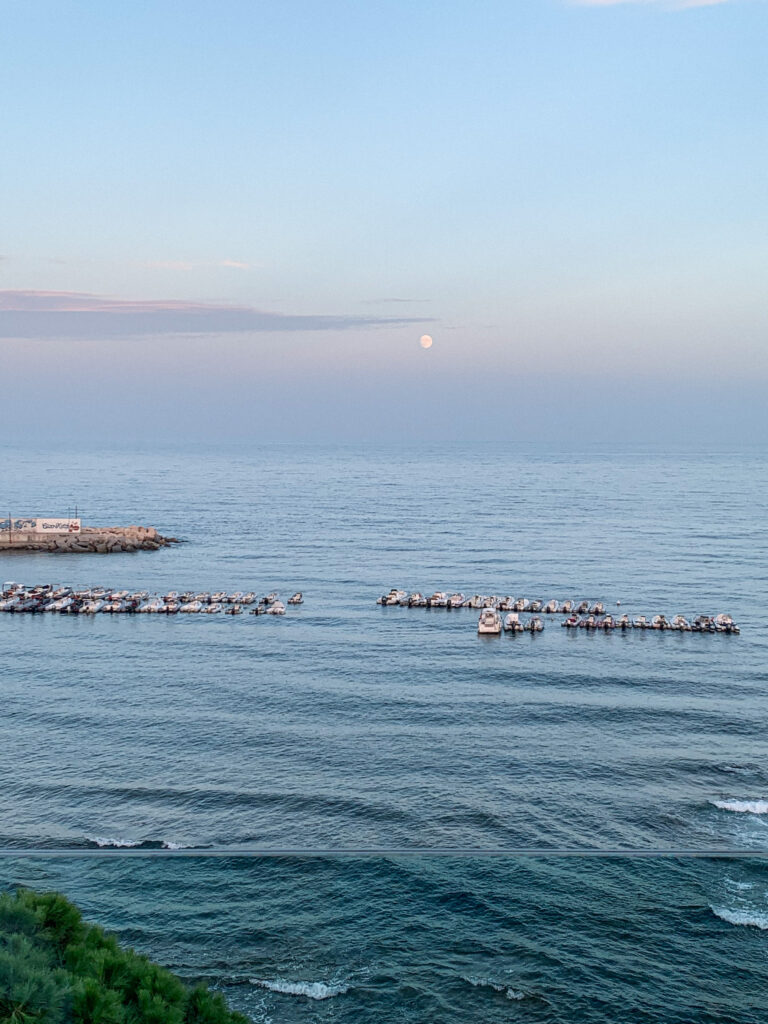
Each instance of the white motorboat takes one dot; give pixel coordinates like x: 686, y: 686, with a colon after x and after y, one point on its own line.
x: 489, y: 623
x: 298, y: 598
x: 550, y: 607
x: 725, y: 624
x: 455, y: 600
x: 512, y: 623
x: 438, y: 600
x: 276, y: 608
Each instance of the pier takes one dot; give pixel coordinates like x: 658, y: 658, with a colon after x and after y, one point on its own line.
x: 102, y: 540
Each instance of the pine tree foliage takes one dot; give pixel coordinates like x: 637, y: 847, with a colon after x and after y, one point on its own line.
x: 56, y: 968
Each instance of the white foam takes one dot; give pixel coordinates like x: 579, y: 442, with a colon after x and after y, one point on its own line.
x: 739, y: 885
x: 748, y: 918
x: 742, y: 806
x: 309, y: 989
x: 510, y: 993
x: 116, y: 843
x: 168, y: 845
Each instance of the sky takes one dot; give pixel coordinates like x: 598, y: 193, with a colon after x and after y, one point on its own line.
x: 235, y: 220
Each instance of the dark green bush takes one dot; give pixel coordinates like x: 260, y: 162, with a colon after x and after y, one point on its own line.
x: 57, y: 969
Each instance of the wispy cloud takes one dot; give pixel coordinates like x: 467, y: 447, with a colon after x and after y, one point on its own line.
x: 38, y: 314
x: 678, y: 5
x: 198, y: 265
x: 396, y: 301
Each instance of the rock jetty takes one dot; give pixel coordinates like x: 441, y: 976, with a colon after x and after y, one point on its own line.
x: 102, y: 540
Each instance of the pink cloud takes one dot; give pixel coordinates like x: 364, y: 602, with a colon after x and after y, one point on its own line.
x: 43, y: 314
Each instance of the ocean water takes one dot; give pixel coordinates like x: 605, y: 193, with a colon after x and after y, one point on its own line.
x: 347, y: 726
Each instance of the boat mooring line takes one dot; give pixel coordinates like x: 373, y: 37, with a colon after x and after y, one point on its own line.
x: 297, y: 853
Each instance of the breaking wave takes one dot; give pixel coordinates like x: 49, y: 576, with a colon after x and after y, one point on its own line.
x: 309, y: 989
x: 116, y: 844
x: 742, y: 806
x: 748, y: 918
x: 510, y: 993
x: 105, y: 842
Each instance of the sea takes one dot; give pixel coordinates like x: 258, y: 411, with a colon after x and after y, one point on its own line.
x: 430, y: 825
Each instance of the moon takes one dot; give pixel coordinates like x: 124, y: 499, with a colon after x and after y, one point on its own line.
x: 425, y: 341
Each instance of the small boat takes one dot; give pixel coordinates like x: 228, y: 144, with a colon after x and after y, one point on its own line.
x: 438, y: 600
x: 725, y: 624
x: 597, y: 609
x: 512, y: 623
x: 234, y: 609
x: 214, y: 609
x: 566, y: 608
x: 659, y: 622
x: 583, y: 608
x: 572, y: 622
x: 680, y: 622
x: 641, y: 623
x: 624, y: 622
x: 608, y: 623
x: 535, y: 606
x: 260, y: 609
x: 535, y: 625
x: 455, y: 600
x: 250, y: 597
x: 588, y: 623
x: 550, y: 607
x: 489, y: 623
x: 393, y: 597
x: 416, y: 600
x: 276, y: 608
x: 298, y: 598
x: 519, y: 605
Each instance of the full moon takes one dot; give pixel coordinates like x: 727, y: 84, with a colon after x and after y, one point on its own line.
x: 425, y: 341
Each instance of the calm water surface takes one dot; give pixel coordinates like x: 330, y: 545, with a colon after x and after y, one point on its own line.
x: 346, y: 725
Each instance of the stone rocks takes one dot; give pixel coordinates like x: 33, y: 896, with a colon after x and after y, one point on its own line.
x: 91, y: 539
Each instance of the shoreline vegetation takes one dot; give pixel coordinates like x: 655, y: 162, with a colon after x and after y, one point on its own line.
x: 56, y: 968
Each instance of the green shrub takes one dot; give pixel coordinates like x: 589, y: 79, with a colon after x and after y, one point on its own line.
x: 56, y: 968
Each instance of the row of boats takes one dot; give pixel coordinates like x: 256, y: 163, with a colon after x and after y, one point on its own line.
x: 97, y: 600
x: 490, y: 622
x: 442, y: 599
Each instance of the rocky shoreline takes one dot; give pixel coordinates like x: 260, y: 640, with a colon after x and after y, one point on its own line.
x: 90, y: 540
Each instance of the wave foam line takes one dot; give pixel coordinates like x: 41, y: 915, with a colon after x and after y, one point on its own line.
x: 510, y: 993
x: 747, y: 918
x: 117, y: 844
x: 742, y: 806
x: 309, y: 989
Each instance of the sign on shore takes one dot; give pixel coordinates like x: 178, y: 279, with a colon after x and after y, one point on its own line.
x: 45, y: 526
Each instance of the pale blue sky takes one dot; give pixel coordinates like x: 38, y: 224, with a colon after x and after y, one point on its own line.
x: 572, y: 199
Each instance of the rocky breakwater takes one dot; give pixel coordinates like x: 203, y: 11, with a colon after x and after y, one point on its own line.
x: 89, y: 540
